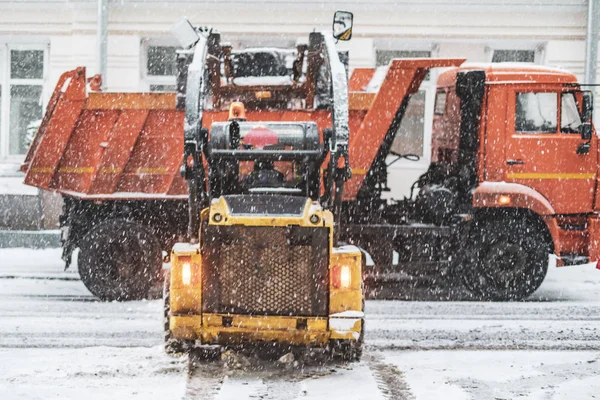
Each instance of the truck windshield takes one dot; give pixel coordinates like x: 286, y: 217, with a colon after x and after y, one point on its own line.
x: 570, y: 120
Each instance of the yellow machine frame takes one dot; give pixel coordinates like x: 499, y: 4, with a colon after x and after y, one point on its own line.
x: 346, y: 317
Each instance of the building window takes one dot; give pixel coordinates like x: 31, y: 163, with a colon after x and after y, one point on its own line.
x: 22, y: 71
x: 159, y: 66
x: 513, y: 56
x: 383, y: 57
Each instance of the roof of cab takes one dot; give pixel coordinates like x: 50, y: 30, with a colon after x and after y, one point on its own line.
x: 510, y: 73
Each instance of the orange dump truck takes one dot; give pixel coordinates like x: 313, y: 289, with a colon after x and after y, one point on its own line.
x: 513, y: 174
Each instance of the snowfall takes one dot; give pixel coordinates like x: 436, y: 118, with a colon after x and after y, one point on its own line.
x: 57, y: 341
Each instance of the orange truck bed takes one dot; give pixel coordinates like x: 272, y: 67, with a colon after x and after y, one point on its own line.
x: 109, y: 146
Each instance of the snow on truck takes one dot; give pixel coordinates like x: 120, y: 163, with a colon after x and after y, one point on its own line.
x: 513, y: 176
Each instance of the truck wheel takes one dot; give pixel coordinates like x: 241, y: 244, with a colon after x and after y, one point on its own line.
x: 505, y: 259
x: 119, y: 260
x: 173, y: 346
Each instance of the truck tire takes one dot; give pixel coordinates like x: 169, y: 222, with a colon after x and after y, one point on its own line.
x: 119, y: 260
x: 505, y: 259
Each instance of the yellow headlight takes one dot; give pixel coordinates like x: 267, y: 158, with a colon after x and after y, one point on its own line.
x: 345, y: 276
x: 186, y: 273
x: 341, y: 277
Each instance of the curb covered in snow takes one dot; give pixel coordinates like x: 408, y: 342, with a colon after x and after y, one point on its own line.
x: 29, y: 239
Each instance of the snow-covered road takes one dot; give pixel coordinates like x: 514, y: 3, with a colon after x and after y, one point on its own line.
x: 56, y: 341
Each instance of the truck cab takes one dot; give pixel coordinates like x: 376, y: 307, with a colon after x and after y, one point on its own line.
x: 523, y: 139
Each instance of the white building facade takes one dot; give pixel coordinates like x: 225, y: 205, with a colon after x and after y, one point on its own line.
x: 41, y: 39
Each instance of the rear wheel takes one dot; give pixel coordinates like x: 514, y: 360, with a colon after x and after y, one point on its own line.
x: 119, y: 260
x: 505, y: 259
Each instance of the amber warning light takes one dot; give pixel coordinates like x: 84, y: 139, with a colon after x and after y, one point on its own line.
x: 341, y: 277
x: 237, y: 111
x: 503, y: 199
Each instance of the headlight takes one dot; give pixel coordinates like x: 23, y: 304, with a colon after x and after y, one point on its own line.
x: 341, y: 277
x: 345, y: 276
x: 186, y: 273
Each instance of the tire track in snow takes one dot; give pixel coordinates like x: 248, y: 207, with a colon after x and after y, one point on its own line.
x: 370, y: 379
x: 204, y: 380
x: 390, y: 380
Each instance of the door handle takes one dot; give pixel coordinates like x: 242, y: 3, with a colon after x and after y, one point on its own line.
x: 515, y: 162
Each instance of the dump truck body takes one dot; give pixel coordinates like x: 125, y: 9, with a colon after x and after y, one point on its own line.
x: 117, y: 155
x: 125, y: 146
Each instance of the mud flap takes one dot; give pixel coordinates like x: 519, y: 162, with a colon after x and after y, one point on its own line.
x: 594, y: 243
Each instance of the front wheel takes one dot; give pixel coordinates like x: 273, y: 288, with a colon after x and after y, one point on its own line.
x: 505, y: 259
x: 119, y: 260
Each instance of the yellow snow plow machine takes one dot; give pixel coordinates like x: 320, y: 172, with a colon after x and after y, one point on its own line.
x: 265, y: 180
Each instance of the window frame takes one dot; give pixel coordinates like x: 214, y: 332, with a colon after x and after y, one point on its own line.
x: 149, y: 80
x: 6, y: 82
x: 538, y: 48
x: 532, y: 51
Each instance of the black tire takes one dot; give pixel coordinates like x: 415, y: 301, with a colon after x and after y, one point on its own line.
x: 173, y: 347
x: 505, y: 258
x: 119, y: 260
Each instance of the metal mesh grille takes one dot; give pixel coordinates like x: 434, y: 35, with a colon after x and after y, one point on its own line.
x: 258, y: 271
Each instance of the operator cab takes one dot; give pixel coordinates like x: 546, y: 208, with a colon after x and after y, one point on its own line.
x: 264, y: 157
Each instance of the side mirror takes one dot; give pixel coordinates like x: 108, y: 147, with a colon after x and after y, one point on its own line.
x: 185, y: 33
x: 587, y: 108
x: 342, y: 25
x: 586, y: 131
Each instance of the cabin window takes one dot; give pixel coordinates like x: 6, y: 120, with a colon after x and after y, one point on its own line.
x: 440, y: 103
x: 570, y: 120
x: 536, y: 112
